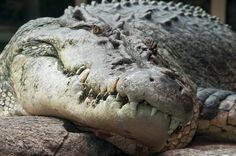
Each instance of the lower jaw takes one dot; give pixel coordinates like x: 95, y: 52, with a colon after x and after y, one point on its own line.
x: 151, y: 131
x: 116, y: 119
x: 139, y: 125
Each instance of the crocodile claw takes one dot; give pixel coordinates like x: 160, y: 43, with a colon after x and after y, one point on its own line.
x: 154, y: 111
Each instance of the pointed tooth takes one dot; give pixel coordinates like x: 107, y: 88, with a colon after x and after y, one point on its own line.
x: 183, y: 91
x: 80, y: 70
x: 99, y: 95
x: 133, y: 106
x: 174, y: 123
x: 118, y: 97
x: 84, y: 75
x: 93, y: 3
x: 105, y: 95
x: 87, y: 100
x: 103, y: 90
x: 114, y: 84
x: 154, y: 111
x: 110, y: 98
x: 90, y: 91
x: 98, y: 98
x: 85, y: 89
x: 104, y: 1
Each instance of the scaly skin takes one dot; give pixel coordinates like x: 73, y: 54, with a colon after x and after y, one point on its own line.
x: 126, y: 69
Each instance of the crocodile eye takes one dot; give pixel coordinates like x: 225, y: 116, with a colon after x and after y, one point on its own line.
x: 96, y: 29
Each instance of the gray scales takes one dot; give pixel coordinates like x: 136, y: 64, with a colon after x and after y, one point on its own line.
x: 140, y: 72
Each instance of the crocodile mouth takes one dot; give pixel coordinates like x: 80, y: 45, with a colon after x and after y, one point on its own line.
x: 92, y: 97
x: 126, y: 116
x: 166, y: 127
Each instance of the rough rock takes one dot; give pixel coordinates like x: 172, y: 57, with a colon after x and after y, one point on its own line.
x: 27, y: 136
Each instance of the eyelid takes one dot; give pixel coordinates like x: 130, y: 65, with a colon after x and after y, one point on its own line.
x: 81, y: 26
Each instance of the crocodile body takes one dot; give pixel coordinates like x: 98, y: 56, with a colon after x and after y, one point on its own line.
x: 138, y: 71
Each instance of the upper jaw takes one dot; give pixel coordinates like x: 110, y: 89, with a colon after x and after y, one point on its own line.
x: 139, y: 90
x: 158, y: 88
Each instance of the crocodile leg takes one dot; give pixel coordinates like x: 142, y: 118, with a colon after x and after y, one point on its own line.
x: 218, y: 114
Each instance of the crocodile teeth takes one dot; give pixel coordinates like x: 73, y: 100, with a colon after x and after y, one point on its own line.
x: 84, y: 75
x: 98, y: 98
x: 133, y: 106
x: 110, y: 98
x: 113, y: 87
x: 80, y: 70
x: 154, y: 111
x: 118, y: 97
x: 104, y: 1
x: 93, y: 3
x: 105, y: 95
x: 87, y: 100
x: 183, y: 91
x: 91, y: 93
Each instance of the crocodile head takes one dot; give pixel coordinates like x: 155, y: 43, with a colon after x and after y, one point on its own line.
x: 102, y: 77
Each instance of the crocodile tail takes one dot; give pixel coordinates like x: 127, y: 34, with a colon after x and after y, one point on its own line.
x: 217, y: 114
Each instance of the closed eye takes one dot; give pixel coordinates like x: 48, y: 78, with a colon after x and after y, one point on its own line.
x: 81, y: 26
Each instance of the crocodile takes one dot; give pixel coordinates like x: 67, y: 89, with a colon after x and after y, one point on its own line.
x: 144, y: 75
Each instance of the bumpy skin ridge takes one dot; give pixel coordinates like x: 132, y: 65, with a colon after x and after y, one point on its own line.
x: 176, y: 25
x: 137, y: 62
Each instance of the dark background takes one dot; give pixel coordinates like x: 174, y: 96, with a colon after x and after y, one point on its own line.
x: 14, y: 13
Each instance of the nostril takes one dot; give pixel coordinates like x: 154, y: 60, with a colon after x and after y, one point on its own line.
x: 172, y: 76
x: 151, y: 79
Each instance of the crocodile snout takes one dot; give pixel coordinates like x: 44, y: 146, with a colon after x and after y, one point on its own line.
x: 162, y: 89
